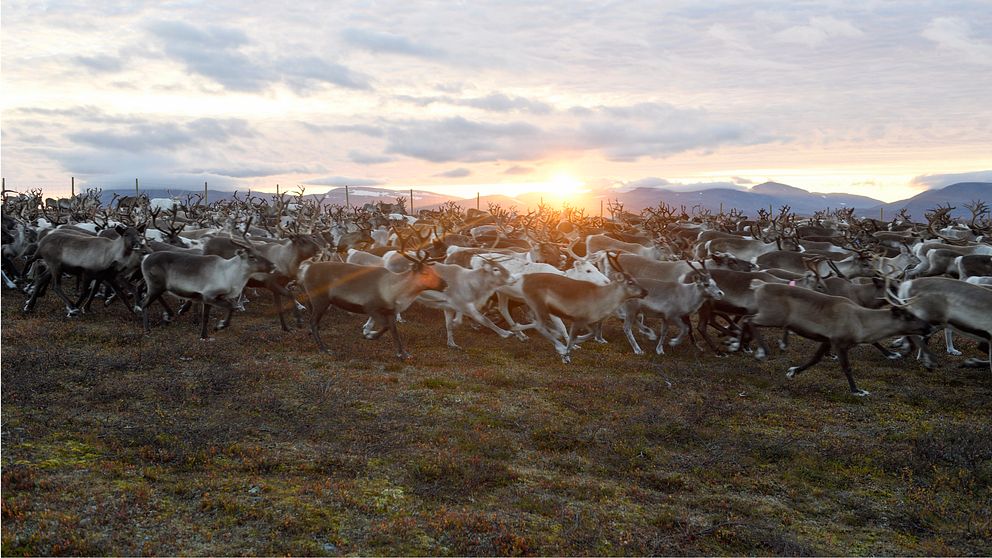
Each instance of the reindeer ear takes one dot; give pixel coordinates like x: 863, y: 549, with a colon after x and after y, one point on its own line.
x: 120, y: 229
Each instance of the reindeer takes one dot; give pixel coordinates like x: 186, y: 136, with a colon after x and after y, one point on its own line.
x: 89, y: 257
x: 209, y: 279
x: 960, y: 305
x: 468, y: 290
x: 975, y: 269
x: 584, y: 303
x: 835, y: 322
x: 374, y: 291
x: 602, y: 242
x: 670, y: 301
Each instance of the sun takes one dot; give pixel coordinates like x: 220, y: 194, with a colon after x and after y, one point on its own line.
x: 564, y: 185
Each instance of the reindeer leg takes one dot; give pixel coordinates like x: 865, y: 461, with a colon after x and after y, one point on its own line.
x: 401, y: 352
x: 318, y: 306
x: 449, y: 327
x: 204, y: 321
x: 57, y: 287
x: 891, y: 355
x: 151, y: 295
x: 845, y: 365
x: 659, y: 349
x: 277, y: 300
x: 628, y: 326
x: 949, y: 340
x: 482, y: 319
x: 504, y: 310
x: 817, y: 357
x: 644, y: 329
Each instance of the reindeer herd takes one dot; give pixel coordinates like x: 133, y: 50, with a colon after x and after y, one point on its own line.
x: 834, y: 278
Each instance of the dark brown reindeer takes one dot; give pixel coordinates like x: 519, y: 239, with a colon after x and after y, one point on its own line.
x: 370, y: 290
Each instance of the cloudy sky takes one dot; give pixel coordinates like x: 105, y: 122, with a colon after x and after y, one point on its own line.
x: 871, y: 97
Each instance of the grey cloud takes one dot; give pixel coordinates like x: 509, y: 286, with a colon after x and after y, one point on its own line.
x: 620, y: 133
x: 955, y: 34
x: 364, y: 129
x: 368, y: 158
x: 100, y: 63
x: 377, y: 41
x: 303, y: 73
x: 145, y: 136
x: 216, y: 53
x: 502, y: 103
x: 249, y: 171
x: 741, y: 180
x: 494, y: 102
x: 459, y: 172
x: 937, y: 181
x: 343, y: 181
x: 458, y: 139
x: 518, y: 170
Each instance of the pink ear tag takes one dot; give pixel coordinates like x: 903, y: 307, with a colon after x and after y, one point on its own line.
x: 792, y: 283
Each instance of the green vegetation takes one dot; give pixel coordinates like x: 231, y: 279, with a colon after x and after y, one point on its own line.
x: 117, y: 443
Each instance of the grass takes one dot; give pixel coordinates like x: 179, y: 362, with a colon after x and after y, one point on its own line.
x: 118, y: 443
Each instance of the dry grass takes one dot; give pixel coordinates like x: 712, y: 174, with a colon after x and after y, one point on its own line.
x: 117, y: 443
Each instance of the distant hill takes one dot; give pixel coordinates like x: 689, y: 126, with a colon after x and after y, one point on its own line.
x: 761, y: 196
x: 956, y: 195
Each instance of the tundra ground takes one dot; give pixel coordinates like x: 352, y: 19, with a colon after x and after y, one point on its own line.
x: 118, y: 443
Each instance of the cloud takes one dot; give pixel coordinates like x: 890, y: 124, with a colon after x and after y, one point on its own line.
x: 377, y: 41
x: 955, y: 35
x: 343, y: 181
x: 363, y: 129
x: 494, y: 102
x: 147, y: 136
x: 368, y: 158
x: 938, y: 181
x: 459, y: 172
x: 217, y: 53
x: 819, y: 30
x: 100, y: 63
x: 459, y: 139
x: 741, y: 180
x: 249, y: 171
x: 619, y: 133
x: 518, y: 170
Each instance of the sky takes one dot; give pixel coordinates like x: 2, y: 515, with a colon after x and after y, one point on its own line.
x: 877, y: 98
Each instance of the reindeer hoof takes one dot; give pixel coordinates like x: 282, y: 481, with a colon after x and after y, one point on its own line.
x: 860, y: 393
x: 521, y: 335
x: 565, y: 359
x: 659, y: 350
x: 454, y: 346
x: 760, y: 354
x: 892, y: 355
x: 207, y: 339
x: 404, y: 356
x: 73, y: 312
x: 791, y: 373
x: 783, y: 345
x: 221, y: 325
x: 166, y: 318
x: 954, y: 352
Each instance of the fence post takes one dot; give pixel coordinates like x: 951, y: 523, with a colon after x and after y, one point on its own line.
x: 600, y: 208
x: 205, y: 202
x: 73, y: 186
x: 137, y: 193
x: 478, y: 199
x: 411, y: 201
x: 347, y: 199
x: 881, y: 214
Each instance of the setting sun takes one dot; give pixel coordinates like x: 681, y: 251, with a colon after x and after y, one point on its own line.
x: 564, y: 186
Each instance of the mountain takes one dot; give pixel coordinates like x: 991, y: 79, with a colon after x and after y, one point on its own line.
x: 957, y: 195
x: 772, y: 195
